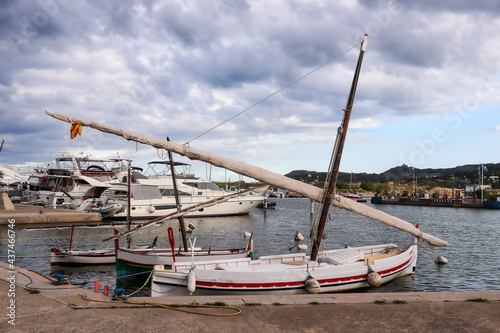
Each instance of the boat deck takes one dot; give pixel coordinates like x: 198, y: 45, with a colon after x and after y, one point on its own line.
x: 370, y: 259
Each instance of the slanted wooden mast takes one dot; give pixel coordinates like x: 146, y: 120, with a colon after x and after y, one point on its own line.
x: 333, y: 171
x: 177, y: 201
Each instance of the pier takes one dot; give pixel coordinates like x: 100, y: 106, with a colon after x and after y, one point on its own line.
x: 30, y: 214
x: 53, y: 310
x: 436, y: 202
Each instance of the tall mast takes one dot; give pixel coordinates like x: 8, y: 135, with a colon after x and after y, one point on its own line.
x: 177, y: 202
x: 129, y: 240
x: 333, y: 171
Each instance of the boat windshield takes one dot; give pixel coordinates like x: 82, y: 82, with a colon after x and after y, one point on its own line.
x: 169, y: 192
x: 203, y: 185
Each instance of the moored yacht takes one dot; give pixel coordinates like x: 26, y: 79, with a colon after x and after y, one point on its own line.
x: 68, y: 181
x: 154, y: 196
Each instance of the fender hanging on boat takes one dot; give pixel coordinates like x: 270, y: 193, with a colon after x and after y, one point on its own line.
x: 373, y: 278
x: 312, y: 285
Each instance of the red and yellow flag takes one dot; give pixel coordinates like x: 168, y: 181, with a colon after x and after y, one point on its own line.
x: 75, y: 129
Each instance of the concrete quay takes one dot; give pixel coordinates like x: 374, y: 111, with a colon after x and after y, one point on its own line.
x: 30, y: 214
x: 63, y: 309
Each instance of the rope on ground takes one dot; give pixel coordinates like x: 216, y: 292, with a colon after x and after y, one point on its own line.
x: 178, y: 307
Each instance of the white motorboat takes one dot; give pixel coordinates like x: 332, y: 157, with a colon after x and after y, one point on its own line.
x: 69, y: 181
x: 153, y: 196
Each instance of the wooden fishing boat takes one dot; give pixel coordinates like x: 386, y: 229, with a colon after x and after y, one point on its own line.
x: 82, y: 258
x: 129, y: 262
x: 334, y: 271
x: 133, y: 261
x: 91, y: 257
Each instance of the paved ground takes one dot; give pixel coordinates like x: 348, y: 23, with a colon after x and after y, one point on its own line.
x: 62, y: 309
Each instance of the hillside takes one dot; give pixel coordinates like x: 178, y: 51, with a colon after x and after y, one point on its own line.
x: 447, y: 177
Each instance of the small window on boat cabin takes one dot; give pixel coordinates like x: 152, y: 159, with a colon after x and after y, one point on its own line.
x: 203, y: 186
x: 169, y: 192
x: 35, y: 181
x: 51, y: 183
x: 191, y: 184
x: 81, y: 181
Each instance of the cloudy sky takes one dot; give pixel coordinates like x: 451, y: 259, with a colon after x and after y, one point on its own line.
x: 427, y: 96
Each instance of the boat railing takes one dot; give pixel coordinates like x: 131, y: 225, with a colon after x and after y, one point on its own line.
x: 213, y: 264
x: 366, y: 250
x: 276, y: 259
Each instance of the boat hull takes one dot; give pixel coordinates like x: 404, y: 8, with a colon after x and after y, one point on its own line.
x: 82, y: 258
x: 157, y: 208
x: 131, y: 262
x: 268, y: 276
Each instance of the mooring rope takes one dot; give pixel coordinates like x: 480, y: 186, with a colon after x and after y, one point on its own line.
x: 177, y: 307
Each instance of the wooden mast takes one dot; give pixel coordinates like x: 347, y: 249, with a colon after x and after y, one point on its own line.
x: 181, y: 219
x: 129, y: 240
x: 328, y: 194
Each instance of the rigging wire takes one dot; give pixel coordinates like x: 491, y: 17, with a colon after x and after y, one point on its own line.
x: 275, y: 93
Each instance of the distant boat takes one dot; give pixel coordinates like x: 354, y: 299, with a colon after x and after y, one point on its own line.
x: 267, y: 204
x: 92, y: 257
x: 352, y: 196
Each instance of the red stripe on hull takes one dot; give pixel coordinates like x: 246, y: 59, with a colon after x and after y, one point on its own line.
x: 297, y: 284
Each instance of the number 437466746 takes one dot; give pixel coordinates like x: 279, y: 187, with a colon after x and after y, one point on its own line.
x: 11, y: 257
x: 12, y: 244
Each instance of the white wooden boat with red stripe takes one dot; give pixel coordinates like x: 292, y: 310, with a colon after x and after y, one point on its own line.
x: 335, y: 270
x: 82, y: 258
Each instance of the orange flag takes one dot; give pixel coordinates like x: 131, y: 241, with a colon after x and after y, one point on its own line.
x: 75, y: 129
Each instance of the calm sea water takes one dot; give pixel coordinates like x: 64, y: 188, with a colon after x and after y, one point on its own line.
x: 473, y: 235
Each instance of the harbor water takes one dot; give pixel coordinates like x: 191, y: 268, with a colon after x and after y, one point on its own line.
x: 473, y: 237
